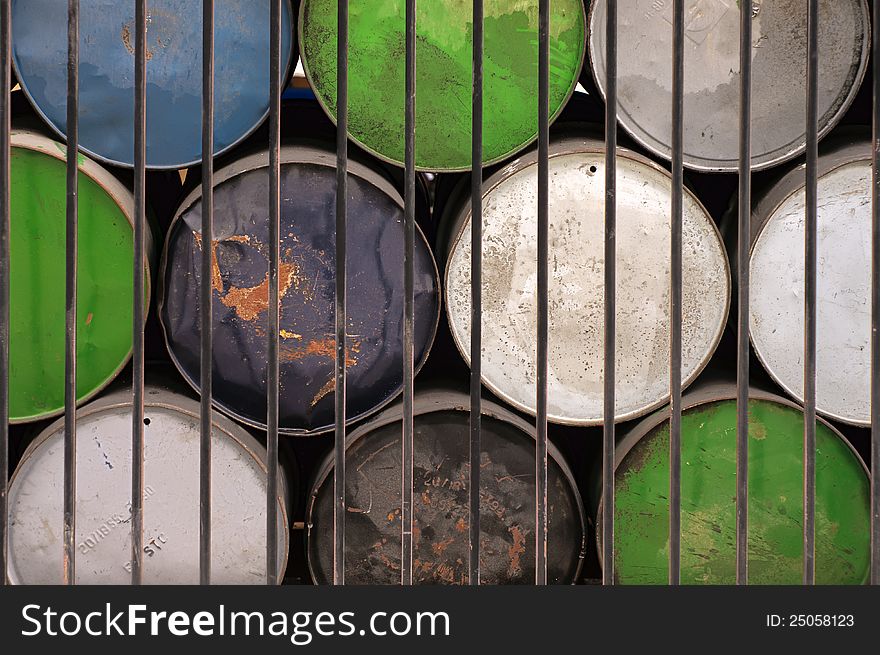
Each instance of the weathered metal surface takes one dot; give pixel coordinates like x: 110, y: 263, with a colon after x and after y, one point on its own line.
x: 443, y: 84
x: 171, y: 498
x: 104, y: 310
x: 307, y: 285
x: 441, y: 519
x: 174, y: 64
x: 577, y: 196
x: 843, y: 385
x: 775, y: 545
x: 711, y: 92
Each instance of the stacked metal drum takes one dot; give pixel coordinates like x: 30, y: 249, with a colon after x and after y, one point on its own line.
x: 239, y: 254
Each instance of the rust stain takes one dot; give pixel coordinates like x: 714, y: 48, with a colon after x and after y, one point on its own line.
x: 250, y: 302
x: 329, y: 386
x: 287, y: 334
x: 516, y: 551
x: 126, y: 41
x: 440, y: 547
x: 216, y: 277
x: 426, y: 498
x: 89, y: 318
x: 460, y: 525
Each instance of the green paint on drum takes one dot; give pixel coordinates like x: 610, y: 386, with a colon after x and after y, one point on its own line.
x: 708, y: 507
x: 443, y: 73
x: 104, y: 285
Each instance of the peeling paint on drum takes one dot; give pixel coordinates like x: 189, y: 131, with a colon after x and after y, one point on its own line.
x: 171, y: 498
x: 577, y: 196
x: 307, y: 287
x: 843, y: 334
x: 441, y: 515
x: 712, y: 81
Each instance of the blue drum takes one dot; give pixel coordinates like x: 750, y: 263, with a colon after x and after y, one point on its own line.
x: 307, y: 287
x: 174, y: 73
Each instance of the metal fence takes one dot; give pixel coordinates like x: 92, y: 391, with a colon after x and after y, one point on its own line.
x: 542, y: 98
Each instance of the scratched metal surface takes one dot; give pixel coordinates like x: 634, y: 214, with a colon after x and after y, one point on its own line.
x: 307, y: 286
x: 712, y: 81
x: 441, y: 456
x: 171, y: 498
x: 577, y: 193
x: 843, y: 383
x: 174, y: 64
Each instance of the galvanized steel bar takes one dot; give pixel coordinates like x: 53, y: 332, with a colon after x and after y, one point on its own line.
x: 272, y: 377
x: 675, y: 293
x: 341, y: 278
x: 140, y: 221
x: 875, y: 310
x: 206, y: 292
x: 610, y: 327
x: 5, y: 158
x: 743, y: 243
x: 406, y: 499
x: 543, y: 291
x: 476, y: 297
x: 70, y: 254
x: 810, y: 296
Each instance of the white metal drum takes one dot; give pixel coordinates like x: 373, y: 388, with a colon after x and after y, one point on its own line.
x: 577, y: 192
x: 843, y: 338
x: 712, y: 80
x: 171, y: 499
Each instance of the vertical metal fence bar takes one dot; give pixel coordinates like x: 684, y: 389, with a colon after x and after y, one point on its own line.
x: 341, y: 279
x: 406, y: 500
x: 742, y: 334
x: 543, y: 288
x: 272, y: 377
x: 810, y: 283
x: 206, y: 297
x: 140, y: 220
x: 675, y: 293
x: 610, y: 327
x: 875, y: 313
x: 476, y: 297
x: 5, y: 128
x: 70, y: 255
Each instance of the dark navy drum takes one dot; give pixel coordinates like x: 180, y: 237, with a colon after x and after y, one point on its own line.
x: 174, y: 73
x: 307, y: 279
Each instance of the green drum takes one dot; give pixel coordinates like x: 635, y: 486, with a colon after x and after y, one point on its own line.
x: 708, y: 491
x: 104, y: 283
x: 444, y: 56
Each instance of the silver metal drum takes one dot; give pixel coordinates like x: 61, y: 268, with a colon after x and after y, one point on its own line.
x: 776, y: 322
x: 577, y: 197
x: 171, y: 498
x: 712, y: 80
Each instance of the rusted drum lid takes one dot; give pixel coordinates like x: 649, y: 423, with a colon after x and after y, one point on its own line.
x: 712, y: 80
x: 444, y: 52
x: 708, y: 488
x: 38, y: 196
x: 107, y: 35
x: 776, y: 321
x: 577, y: 192
x: 171, y: 498
x: 307, y: 286
x: 441, y: 516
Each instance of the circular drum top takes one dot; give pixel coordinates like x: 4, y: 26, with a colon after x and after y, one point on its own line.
x: 712, y: 80
x: 708, y: 487
x: 843, y: 350
x: 307, y: 285
x: 171, y: 499
x: 443, y: 74
x: 37, y: 264
x: 577, y: 192
x: 440, y: 532
x: 174, y: 73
